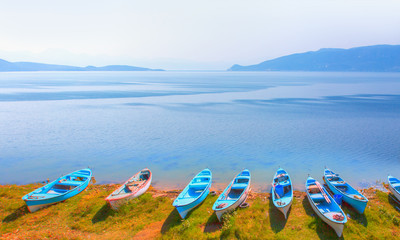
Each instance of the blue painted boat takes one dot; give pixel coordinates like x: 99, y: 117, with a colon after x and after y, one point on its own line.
x: 194, y: 193
x: 282, y: 191
x: 234, y: 195
x: 324, y: 206
x: 61, y: 189
x: 394, y: 186
x: 350, y: 195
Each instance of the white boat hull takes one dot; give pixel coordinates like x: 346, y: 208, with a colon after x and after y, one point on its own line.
x: 115, y: 204
x: 285, y: 209
x: 395, y: 193
x: 34, y: 208
x: 338, y: 227
x: 232, y: 207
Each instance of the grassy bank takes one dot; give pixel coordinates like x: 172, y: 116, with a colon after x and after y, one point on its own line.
x: 152, y: 216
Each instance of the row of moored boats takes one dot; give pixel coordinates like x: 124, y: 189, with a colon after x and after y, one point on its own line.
x: 234, y: 195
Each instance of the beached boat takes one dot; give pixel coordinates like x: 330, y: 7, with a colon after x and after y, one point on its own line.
x: 234, y: 195
x: 59, y: 190
x: 133, y: 188
x: 324, y: 206
x: 394, y: 186
x: 194, y: 193
x: 350, y: 195
x: 282, y: 191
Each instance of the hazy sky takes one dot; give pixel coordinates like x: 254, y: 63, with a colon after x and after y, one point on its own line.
x: 185, y: 34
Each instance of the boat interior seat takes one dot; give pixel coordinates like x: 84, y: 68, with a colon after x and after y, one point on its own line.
x: 284, y: 178
x: 57, y: 191
x: 284, y: 184
x: 198, y: 185
x: 239, y: 186
x: 317, y: 197
x: 395, y: 185
x: 69, y: 183
x: 313, y: 189
x: 39, y: 195
x: 339, y: 184
x: 333, y: 179
x: 134, y: 183
x: 204, y: 173
x: 83, y: 177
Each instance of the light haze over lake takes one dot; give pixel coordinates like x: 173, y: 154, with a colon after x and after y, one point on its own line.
x: 177, y: 123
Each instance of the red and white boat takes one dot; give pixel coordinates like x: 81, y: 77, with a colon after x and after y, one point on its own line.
x: 133, y: 188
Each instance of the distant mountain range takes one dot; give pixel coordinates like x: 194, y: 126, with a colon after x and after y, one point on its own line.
x: 379, y: 58
x: 6, y: 66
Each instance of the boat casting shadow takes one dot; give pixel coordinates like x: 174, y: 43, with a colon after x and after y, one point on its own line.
x: 393, y: 201
x: 276, y: 218
x: 324, y: 231
x: 104, y: 212
x: 19, y: 212
x: 212, y: 224
x: 354, y: 215
x: 175, y: 219
x: 172, y: 220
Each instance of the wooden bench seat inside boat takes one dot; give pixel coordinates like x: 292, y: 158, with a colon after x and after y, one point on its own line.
x: 317, y: 197
x: 69, y: 183
x: 135, y: 184
x: 395, y: 185
x: 198, y: 185
x: 339, y: 184
x: 313, y: 189
x: 238, y: 186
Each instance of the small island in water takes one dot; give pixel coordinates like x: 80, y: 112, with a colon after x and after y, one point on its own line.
x: 6, y: 66
x: 378, y: 58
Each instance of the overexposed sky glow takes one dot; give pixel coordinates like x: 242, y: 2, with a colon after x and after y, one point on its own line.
x: 185, y: 34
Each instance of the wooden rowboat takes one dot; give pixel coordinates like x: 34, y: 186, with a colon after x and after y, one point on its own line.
x: 324, y: 206
x: 234, y: 195
x: 133, y: 188
x: 194, y: 193
x: 350, y: 195
x: 59, y: 190
x: 282, y: 191
x: 394, y: 186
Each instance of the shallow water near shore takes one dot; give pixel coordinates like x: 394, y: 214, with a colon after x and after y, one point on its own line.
x: 177, y: 123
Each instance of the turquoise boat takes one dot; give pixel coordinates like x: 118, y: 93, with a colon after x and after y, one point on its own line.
x: 282, y: 191
x: 350, y: 195
x: 324, y: 206
x: 61, y: 189
x: 394, y: 186
x: 194, y: 193
x: 234, y: 195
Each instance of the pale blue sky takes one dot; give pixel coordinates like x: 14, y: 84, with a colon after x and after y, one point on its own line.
x: 184, y: 34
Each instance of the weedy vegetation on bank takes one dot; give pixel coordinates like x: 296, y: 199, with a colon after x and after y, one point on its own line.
x: 152, y: 216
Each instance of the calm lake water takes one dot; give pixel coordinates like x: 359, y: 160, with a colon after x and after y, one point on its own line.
x: 177, y: 123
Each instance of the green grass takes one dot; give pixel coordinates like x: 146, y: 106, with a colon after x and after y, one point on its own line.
x: 147, y: 217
